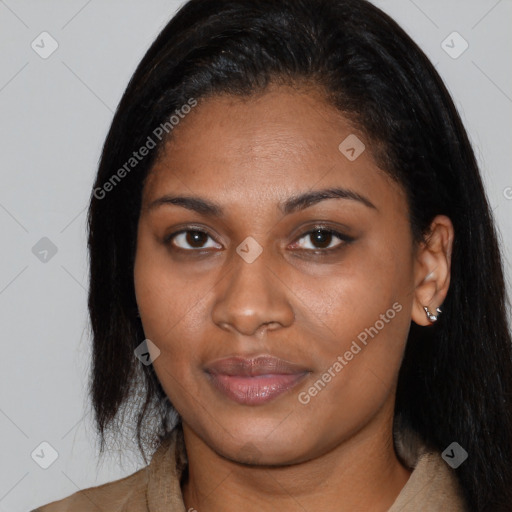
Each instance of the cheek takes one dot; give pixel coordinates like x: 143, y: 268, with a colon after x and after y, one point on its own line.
x: 172, y: 313
x: 371, y: 278
x: 361, y: 314
x: 173, y: 309
x: 175, y: 323
x: 169, y: 300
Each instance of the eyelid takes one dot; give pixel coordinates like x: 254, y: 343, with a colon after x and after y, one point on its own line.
x: 317, y: 227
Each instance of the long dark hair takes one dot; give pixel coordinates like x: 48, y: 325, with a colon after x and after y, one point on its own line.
x: 455, y: 382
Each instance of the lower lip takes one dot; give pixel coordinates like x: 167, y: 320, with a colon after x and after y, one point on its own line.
x: 255, y: 390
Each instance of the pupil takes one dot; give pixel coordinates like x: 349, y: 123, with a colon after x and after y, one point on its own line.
x: 322, y: 237
x: 195, y: 237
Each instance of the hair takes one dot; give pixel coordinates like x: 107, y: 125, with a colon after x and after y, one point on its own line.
x: 455, y: 381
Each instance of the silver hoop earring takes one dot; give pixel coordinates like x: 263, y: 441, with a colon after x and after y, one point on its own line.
x: 430, y: 316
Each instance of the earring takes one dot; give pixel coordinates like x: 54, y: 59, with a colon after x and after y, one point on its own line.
x: 430, y: 316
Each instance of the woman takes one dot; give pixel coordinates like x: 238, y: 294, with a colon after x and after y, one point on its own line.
x: 296, y: 289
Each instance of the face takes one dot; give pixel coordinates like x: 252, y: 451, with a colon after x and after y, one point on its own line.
x: 281, y: 314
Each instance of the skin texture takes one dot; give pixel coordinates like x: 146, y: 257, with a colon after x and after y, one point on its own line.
x: 249, y: 155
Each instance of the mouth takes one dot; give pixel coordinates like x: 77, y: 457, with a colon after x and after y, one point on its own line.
x: 254, y: 381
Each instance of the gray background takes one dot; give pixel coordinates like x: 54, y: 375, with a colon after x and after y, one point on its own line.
x: 54, y: 115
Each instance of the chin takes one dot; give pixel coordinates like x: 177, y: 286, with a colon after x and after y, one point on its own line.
x: 260, y: 450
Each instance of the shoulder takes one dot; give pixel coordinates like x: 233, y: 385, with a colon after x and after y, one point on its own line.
x: 127, y: 494
x: 149, y: 488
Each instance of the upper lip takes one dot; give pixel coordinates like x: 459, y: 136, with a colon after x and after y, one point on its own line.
x: 254, y: 366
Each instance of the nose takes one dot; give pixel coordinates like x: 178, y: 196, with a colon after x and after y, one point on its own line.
x: 252, y: 297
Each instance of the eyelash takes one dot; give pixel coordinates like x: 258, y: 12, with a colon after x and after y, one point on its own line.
x: 191, y: 229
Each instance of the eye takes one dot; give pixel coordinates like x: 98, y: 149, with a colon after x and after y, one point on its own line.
x: 322, y: 240
x: 195, y: 238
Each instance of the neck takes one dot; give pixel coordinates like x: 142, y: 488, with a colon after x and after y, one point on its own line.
x: 361, y: 473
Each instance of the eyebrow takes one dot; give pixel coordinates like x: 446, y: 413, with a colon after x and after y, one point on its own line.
x: 291, y: 205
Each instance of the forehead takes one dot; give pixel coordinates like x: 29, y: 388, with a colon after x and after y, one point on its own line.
x: 279, y: 143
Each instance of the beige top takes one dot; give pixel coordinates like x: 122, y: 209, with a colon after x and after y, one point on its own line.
x: 432, y: 486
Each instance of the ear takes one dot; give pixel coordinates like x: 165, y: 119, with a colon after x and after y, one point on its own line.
x: 432, y: 269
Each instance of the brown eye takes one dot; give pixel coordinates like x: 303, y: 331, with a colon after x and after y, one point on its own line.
x: 195, y: 238
x: 190, y: 239
x: 322, y: 239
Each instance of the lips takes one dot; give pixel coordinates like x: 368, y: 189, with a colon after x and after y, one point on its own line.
x: 256, y: 380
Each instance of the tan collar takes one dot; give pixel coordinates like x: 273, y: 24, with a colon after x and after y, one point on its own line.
x: 165, y: 471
